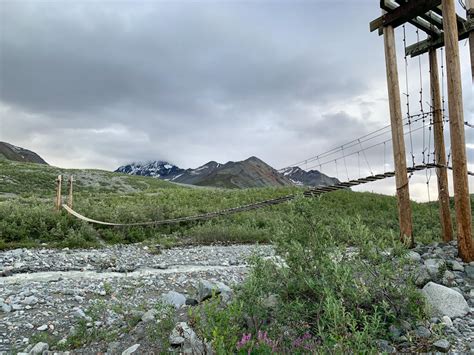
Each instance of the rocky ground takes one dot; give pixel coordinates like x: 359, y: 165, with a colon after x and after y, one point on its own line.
x: 447, y: 284
x: 108, y: 296
x: 113, y: 300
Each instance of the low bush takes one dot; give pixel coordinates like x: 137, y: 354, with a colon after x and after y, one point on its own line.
x: 337, y: 291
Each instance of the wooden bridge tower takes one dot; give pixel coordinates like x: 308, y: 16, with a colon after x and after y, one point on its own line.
x: 438, y: 19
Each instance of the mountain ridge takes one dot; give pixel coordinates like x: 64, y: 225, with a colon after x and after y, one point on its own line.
x: 12, y: 152
x: 248, y: 173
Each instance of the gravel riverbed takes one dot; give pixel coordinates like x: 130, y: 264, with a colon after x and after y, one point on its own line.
x: 43, y: 293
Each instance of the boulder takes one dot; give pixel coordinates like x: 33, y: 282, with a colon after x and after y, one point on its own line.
x: 206, y: 289
x: 174, y: 299
x: 445, y: 301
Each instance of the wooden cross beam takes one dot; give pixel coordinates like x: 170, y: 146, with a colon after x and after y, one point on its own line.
x: 438, y: 42
x: 431, y: 17
x: 460, y: 21
x: 407, y: 12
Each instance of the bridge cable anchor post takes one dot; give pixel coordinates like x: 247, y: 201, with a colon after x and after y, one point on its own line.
x: 70, y: 191
x: 58, y: 199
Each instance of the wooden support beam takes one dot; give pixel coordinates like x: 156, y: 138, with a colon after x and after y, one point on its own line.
x: 401, y: 178
x: 458, y: 140
x: 406, y: 12
x: 438, y: 42
x: 58, y: 199
x: 440, y: 149
x: 69, y: 200
x: 470, y: 17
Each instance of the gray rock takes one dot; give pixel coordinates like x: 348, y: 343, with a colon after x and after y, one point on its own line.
x: 456, y: 265
x: 42, y: 328
x: 31, y: 300
x: 149, y: 316
x: 422, y: 277
x: 447, y: 321
x: 79, y: 313
x: 433, y: 266
x: 395, y: 332
x: 131, y: 349
x: 442, y: 345
x: 445, y: 301
x: 448, y: 278
x: 469, y: 270
x: 206, y: 289
x: 406, y: 326
x: 39, y: 348
x: 113, y: 348
x: 184, y: 337
x: 385, y: 347
x: 422, y: 332
x: 174, y: 299
x: 6, y: 308
x: 413, y: 256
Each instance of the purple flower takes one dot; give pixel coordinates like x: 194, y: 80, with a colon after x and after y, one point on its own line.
x: 245, y: 339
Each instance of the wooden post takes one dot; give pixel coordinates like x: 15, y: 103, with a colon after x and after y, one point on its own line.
x: 58, y: 193
x: 470, y: 16
x: 69, y: 200
x: 401, y: 178
x: 440, y: 150
x: 458, y: 140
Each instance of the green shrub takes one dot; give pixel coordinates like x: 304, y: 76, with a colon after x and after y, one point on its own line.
x: 339, y: 290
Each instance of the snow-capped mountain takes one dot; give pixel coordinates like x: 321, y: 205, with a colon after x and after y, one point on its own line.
x: 159, y: 169
x: 251, y: 172
x: 301, y: 177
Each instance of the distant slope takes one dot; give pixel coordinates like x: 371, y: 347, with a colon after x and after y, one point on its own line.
x: 308, y: 178
x: 12, y: 152
x: 38, y: 179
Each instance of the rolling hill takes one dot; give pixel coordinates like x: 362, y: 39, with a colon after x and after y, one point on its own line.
x: 12, y: 152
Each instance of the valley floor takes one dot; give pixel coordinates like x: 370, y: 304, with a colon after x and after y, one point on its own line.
x: 47, y: 295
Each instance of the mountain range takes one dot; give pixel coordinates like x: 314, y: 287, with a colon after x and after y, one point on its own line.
x: 12, y: 152
x: 248, y: 173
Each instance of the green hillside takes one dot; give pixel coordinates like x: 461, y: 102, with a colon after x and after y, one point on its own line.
x: 27, y: 217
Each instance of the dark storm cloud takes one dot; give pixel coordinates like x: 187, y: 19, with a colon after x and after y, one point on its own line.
x: 177, y: 58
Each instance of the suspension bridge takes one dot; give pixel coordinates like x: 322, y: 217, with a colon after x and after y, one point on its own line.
x: 440, y: 24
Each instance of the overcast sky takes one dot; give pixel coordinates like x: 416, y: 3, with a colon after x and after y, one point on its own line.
x: 97, y: 84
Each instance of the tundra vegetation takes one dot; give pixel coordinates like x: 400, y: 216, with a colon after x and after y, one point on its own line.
x: 342, y: 283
